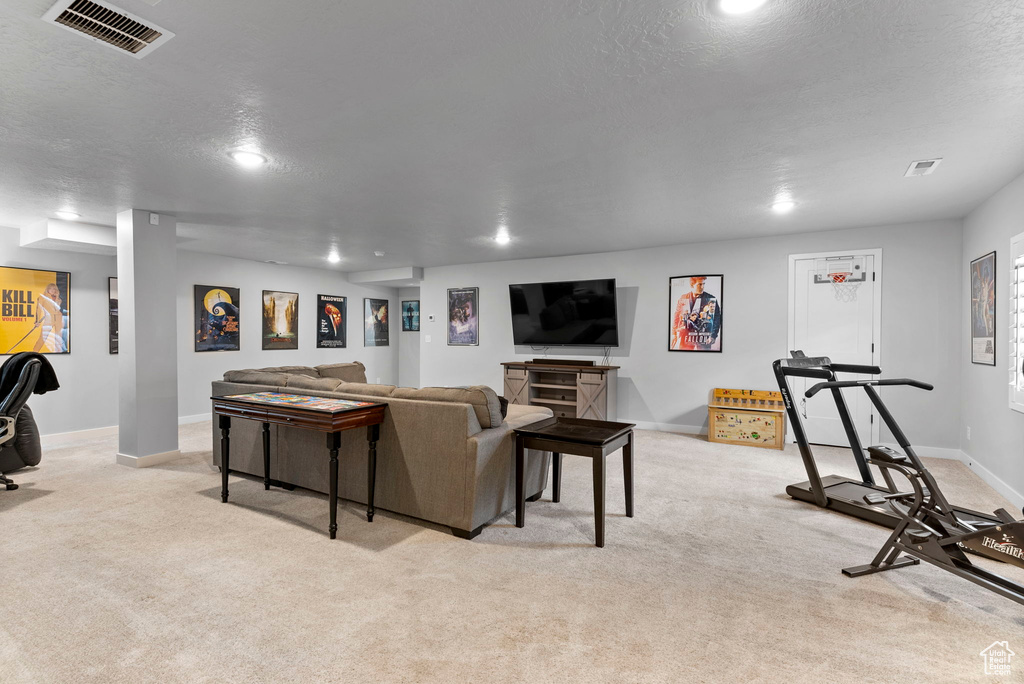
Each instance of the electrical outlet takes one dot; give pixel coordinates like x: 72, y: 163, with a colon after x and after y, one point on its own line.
x: 426, y: 338
x: 378, y: 381
x: 968, y: 432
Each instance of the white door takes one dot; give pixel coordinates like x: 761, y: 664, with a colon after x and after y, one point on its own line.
x: 840, y: 322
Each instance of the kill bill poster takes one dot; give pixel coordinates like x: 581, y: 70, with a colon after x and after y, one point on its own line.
x: 216, y: 318
x: 331, y: 313
x: 35, y: 311
x: 696, y: 313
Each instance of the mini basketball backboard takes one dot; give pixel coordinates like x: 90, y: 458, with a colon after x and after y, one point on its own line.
x: 843, y: 273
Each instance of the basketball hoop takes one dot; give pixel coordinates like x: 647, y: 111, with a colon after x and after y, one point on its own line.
x: 845, y: 290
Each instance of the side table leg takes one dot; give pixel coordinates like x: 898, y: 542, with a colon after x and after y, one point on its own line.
x: 225, y: 449
x: 520, y: 482
x: 599, y: 477
x: 627, y: 473
x: 266, y: 455
x: 556, y: 477
x: 333, y: 442
x: 372, y: 433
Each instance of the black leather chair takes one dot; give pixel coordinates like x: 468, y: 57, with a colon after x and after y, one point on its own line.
x: 19, y: 436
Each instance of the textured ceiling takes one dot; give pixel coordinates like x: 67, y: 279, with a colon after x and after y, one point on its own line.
x: 418, y: 127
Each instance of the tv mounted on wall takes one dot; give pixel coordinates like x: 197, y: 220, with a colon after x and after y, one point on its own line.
x: 572, y: 313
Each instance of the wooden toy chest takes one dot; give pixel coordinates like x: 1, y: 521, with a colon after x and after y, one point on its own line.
x: 749, y: 417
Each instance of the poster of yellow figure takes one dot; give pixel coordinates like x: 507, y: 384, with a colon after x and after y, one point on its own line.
x: 35, y: 311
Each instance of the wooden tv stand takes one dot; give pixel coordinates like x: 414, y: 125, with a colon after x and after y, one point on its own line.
x: 572, y: 389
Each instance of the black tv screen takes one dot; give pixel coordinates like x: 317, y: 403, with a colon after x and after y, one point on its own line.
x: 576, y: 313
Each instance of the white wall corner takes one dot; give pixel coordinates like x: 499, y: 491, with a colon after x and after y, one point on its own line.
x: 995, y: 482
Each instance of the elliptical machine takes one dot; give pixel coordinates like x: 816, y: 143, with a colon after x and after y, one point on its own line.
x: 926, y: 526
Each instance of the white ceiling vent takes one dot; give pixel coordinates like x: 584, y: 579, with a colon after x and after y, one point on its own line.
x: 109, y: 25
x: 922, y: 168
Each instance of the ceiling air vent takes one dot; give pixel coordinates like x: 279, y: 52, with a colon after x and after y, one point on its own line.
x: 922, y: 168
x: 109, y: 25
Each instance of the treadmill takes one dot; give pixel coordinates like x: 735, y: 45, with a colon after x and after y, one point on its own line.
x: 863, y: 498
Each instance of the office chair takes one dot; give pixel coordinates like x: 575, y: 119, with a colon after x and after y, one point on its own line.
x: 19, y: 436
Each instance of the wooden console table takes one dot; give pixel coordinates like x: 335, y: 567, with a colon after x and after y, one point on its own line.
x: 323, y: 414
x: 571, y: 390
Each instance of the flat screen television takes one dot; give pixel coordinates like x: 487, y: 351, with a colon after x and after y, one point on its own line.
x: 572, y: 313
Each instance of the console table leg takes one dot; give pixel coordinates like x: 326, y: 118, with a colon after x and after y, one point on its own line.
x: 599, y: 478
x: 266, y: 455
x: 556, y: 477
x: 225, y: 449
x: 627, y: 472
x: 520, y: 483
x: 333, y: 442
x: 372, y: 433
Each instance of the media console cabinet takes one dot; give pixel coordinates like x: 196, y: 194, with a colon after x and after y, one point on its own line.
x: 572, y: 389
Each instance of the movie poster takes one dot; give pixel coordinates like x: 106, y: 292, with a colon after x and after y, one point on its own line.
x: 35, y: 311
x: 112, y: 315
x: 215, y: 311
x: 696, y: 313
x: 375, y: 323
x: 983, y: 310
x: 331, y: 315
x: 463, y: 321
x: 280, y: 320
x: 411, y: 315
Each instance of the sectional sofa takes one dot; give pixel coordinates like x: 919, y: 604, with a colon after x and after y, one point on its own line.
x: 445, y: 455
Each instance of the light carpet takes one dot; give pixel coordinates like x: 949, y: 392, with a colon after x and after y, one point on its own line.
x: 112, y: 574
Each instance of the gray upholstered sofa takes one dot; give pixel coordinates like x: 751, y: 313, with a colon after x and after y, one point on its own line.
x: 445, y: 455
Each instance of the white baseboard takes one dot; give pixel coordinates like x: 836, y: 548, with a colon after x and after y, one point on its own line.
x: 147, y: 461
x: 668, y: 427
x: 88, y: 433
x: 995, y: 482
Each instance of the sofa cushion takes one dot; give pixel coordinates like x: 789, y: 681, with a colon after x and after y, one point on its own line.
x: 483, y: 399
x: 366, y: 389
x: 306, y: 382
x: 255, y: 377
x: 292, y: 370
x: 349, y: 372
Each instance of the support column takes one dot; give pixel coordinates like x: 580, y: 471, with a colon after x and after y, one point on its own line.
x: 147, y: 361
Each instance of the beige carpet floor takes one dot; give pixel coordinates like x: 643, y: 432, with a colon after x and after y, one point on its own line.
x: 112, y: 574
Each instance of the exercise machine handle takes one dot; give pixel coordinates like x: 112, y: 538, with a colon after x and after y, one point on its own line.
x: 861, y: 383
x: 853, y: 368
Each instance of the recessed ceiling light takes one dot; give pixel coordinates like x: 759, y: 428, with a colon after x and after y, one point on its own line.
x: 378, y: 252
x: 739, y: 6
x: 249, y: 160
x: 783, y: 206
x: 333, y: 257
x: 67, y: 215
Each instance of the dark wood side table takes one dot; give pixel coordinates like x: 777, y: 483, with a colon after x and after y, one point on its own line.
x: 593, y: 438
x: 323, y: 414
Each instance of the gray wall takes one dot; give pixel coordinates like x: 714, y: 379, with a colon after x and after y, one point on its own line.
x: 997, y: 432
x: 197, y: 369
x: 88, y: 375
x: 409, y: 345
x: 669, y: 390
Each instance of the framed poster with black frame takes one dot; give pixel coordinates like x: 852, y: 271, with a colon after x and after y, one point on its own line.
x: 35, y: 312
x: 376, y: 332
x: 331, y: 319
x: 215, y: 318
x: 695, y: 313
x: 983, y: 310
x: 112, y: 324
x: 410, y: 315
x: 463, y: 317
